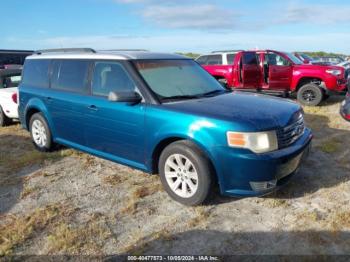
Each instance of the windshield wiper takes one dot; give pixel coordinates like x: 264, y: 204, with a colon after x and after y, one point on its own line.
x: 214, y: 92
x: 180, y: 97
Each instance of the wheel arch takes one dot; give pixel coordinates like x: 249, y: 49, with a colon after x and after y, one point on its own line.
x: 308, y: 80
x: 163, y: 143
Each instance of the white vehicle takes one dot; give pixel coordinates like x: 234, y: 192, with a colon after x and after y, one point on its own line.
x: 345, y: 64
x: 9, y: 81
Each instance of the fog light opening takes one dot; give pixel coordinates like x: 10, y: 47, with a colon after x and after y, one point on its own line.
x: 264, y: 185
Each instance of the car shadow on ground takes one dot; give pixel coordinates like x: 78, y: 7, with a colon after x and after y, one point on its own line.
x: 212, y: 242
x: 327, y: 166
x: 15, y: 157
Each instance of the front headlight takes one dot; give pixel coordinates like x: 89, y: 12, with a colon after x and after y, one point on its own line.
x: 335, y: 72
x: 260, y: 142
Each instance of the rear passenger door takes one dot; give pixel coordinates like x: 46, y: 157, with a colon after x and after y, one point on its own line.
x: 250, y: 73
x: 66, y: 99
x: 115, y: 129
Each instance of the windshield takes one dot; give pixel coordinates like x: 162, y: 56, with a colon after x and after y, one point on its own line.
x: 294, y: 59
x: 177, y: 79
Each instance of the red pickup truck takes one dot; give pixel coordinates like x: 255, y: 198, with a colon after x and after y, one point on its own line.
x: 275, y: 72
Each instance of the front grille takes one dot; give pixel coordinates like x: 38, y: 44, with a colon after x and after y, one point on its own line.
x: 289, y: 134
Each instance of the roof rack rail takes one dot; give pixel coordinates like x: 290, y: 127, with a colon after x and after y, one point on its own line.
x: 65, y: 50
x: 226, y: 51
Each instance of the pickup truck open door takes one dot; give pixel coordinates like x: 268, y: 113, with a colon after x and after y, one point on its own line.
x: 247, y: 72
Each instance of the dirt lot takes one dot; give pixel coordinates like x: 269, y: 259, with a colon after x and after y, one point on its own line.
x: 68, y: 202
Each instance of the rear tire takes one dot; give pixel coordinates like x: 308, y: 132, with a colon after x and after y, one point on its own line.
x: 40, y: 133
x: 185, y: 173
x: 310, y: 95
x: 4, y: 120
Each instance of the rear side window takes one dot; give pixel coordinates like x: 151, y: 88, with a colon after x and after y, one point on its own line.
x: 111, y: 77
x: 70, y: 75
x: 36, y: 73
x: 249, y: 58
x: 202, y: 60
x: 214, y: 60
x: 231, y: 58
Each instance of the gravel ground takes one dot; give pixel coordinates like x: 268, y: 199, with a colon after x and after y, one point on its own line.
x: 68, y: 202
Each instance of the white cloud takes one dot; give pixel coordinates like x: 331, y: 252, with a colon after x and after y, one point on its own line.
x: 202, y: 16
x: 184, y: 14
x: 321, y: 14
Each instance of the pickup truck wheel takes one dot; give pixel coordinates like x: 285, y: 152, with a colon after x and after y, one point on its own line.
x: 4, y: 120
x: 310, y: 95
x: 40, y: 133
x: 185, y: 173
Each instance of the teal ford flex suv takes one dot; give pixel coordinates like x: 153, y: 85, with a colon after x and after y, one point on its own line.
x: 162, y: 113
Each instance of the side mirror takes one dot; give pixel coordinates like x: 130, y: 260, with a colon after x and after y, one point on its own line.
x: 128, y: 97
x: 306, y: 61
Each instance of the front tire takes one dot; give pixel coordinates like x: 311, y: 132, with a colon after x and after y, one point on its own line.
x: 4, y: 120
x: 310, y: 95
x: 40, y: 133
x: 185, y: 173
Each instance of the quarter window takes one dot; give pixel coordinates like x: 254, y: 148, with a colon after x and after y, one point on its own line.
x: 36, y: 73
x: 70, y: 75
x: 111, y: 77
x: 230, y: 58
x: 202, y: 60
x: 214, y: 60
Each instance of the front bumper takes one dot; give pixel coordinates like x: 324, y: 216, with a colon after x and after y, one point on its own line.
x: 241, y: 173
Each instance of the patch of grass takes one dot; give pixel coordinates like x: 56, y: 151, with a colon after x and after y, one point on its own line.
x: 20, y: 228
x: 340, y: 220
x: 28, y: 191
x: 85, y: 240
x: 150, y: 189
x: 330, y: 146
x: 112, y: 180
x: 28, y: 158
x: 201, y: 217
x: 130, y: 207
x: 276, y: 202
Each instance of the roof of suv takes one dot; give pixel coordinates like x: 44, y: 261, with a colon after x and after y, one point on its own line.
x: 110, y: 55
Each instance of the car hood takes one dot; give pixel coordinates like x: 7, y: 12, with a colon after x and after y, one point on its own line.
x: 251, y: 112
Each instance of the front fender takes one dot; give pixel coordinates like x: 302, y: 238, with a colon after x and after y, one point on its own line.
x: 200, y: 131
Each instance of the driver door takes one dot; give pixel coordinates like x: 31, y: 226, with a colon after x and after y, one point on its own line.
x: 114, y: 129
x: 279, y: 71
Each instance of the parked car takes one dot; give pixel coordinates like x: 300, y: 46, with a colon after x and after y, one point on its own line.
x: 222, y: 58
x: 9, y: 81
x: 306, y: 59
x: 162, y: 113
x: 281, y: 73
x: 332, y: 60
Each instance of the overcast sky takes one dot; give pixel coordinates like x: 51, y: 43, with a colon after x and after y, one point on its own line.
x: 182, y: 25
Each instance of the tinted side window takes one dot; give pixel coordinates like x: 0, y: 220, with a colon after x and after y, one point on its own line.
x: 111, y: 77
x: 230, y: 58
x: 274, y: 59
x: 214, y: 60
x: 70, y: 75
x: 36, y: 73
x: 249, y: 58
x: 202, y: 60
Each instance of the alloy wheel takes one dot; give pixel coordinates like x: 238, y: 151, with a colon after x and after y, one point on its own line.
x: 181, y: 175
